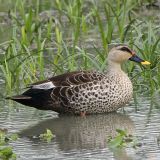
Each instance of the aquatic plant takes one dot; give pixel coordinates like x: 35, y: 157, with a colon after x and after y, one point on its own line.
x: 123, y: 139
x: 47, y: 136
x: 6, y: 152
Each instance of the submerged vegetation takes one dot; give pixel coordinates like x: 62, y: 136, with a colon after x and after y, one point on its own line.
x: 54, y: 37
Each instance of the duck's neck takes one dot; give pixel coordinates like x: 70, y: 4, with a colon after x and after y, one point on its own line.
x: 114, y: 67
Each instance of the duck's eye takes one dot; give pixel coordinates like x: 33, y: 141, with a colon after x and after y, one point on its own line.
x: 126, y: 49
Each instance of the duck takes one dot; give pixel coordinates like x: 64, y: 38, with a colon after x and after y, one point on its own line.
x: 85, y: 92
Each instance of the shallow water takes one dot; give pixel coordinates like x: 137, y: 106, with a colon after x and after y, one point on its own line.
x: 82, y: 137
x: 77, y: 137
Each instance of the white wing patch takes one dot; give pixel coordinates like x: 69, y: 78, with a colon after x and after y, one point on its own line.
x: 46, y: 85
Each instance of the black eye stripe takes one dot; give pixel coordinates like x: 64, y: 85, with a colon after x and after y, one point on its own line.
x: 125, y: 49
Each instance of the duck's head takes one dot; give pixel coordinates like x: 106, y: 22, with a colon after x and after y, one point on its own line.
x: 121, y: 53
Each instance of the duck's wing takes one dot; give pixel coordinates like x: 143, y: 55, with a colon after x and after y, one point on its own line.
x: 54, y: 93
x: 69, y: 85
x: 68, y: 79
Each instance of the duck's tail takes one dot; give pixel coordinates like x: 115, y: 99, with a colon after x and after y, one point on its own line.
x: 39, y: 99
x: 23, y: 99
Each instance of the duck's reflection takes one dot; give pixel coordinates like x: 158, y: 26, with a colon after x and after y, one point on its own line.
x: 83, y: 132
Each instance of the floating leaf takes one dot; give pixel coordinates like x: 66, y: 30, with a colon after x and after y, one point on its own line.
x: 116, y: 142
x: 121, y: 132
x: 122, y: 139
x: 47, y: 136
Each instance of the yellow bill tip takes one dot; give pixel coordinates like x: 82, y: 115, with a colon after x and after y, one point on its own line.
x: 145, y: 63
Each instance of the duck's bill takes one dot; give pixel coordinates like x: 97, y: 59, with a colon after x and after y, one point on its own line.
x: 145, y: 63
x: 135, y: 58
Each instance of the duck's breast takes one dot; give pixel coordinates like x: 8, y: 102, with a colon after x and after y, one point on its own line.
x: 106, y: 95
x: 121, y: 90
